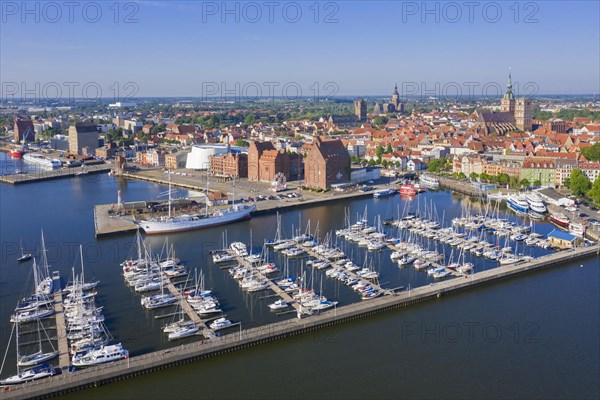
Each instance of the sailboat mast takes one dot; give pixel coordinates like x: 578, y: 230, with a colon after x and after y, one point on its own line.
x: 81, y: 256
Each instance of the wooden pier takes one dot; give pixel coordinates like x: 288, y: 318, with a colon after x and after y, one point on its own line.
x: 272, y: 285
x: 61, y: 327
x: 351, y: 273
x: 158, y: 360
x: 191, y: 313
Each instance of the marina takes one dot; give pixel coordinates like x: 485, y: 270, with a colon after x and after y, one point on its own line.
x: 158, y: 360
x: 249, y: 311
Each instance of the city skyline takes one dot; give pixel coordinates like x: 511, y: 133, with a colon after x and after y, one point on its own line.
x: 183, y: 49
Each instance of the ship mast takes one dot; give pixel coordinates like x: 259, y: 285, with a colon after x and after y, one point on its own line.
x: 169, y: 194
x: 207, y: 175
x: 233, y: 202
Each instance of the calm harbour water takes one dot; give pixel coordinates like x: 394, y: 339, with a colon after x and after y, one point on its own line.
x: 532, y: 336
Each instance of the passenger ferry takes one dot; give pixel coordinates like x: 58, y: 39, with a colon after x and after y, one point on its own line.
x: 535, y: 203
x: 44, y: 162
x: 518, y: 203
x: 429, y: 181
x: 384, y: 193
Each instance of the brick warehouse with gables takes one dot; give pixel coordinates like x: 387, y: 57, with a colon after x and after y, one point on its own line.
x: 327, y: 163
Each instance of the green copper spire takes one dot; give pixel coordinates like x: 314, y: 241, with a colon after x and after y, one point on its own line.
x: 509, y: 93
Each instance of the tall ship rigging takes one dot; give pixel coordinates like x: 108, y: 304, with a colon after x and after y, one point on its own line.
x: 171, y: 223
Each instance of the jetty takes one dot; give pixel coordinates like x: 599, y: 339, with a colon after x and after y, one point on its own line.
x: 158, y: 360
x: 61, y: 326
x: 73, y: 173
x: 191, y: 313
x: 279, y: 291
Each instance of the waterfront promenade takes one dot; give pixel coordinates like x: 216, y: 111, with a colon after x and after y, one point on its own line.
x: 71, y: 381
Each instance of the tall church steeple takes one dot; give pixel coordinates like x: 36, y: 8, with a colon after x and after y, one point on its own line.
x: 395, y: 99
x: 507, y: 104
x: 509, y: 94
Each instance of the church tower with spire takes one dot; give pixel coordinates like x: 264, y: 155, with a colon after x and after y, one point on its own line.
x: 396, y: 98
x: 508, y: 101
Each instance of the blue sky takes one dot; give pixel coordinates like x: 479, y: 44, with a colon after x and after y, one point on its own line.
x: 184, y: 48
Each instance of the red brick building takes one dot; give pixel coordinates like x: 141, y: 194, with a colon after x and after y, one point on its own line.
x: 264, y: 161
x: 23, y: 130
x: 230, y: 165
x: 327, y: 162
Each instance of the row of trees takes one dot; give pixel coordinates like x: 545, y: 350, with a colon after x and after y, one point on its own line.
x: 580, y: 185
x: 501, y: 179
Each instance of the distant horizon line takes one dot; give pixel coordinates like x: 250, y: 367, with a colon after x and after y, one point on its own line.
x: 312, y: 98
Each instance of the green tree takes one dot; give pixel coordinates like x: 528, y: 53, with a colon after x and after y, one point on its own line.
x: 503, y: 179
x: 241, y: 143
x: 525, y: 183
x: 379, y: 151
x: 485, y: 177
x: 592, y: 153
x: 462, y: 175
x: 537, y: 183
x: 380, y: 120
x: 567, y: 182
x: 579, y: 184
x: 385, y: 163
x: 436, y: 165
x: 371, y: 162
x: 594, y: 192
x: 250, y: 118
x: 398, y: 164
x: 389, y: 149
x: 474, y: 176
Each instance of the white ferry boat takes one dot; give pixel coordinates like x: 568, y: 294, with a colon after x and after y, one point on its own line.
x: 429, y: 181
x: 518, y: 203
x: 43, y: 162
x: 535, y: 203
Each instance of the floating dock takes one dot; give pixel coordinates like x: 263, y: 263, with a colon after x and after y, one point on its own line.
x: 139, y: 365
x: 31, y: 177
x: 61, y: 327
x: 279, y: 291
x: 191, y: 313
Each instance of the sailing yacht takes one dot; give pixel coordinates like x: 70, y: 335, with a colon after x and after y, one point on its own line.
x: 24, y: 256
x: 39, y: 357
x: 39, y: 372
